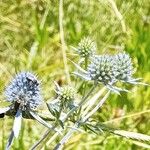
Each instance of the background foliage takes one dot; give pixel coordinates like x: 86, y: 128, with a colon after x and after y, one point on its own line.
x: 30, y: 40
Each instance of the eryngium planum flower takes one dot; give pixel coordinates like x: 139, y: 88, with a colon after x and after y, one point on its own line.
x: 24, y: 94
x: 24, y: 89
x: 100, y: 69
x: 86, y: 47
x: 122, y: 67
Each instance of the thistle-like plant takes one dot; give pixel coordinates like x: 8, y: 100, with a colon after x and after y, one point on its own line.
x: 123, y: 67
x: 104, y: 69
x: 100, y: 69
x: 24, y: 95
x: 108, y: 69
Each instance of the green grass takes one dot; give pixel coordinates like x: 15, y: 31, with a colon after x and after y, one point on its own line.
x: 30, y: 40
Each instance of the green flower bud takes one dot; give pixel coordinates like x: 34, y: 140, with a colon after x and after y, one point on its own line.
x: 86, y: 47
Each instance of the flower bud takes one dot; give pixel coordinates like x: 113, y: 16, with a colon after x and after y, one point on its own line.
x: 86, y: 47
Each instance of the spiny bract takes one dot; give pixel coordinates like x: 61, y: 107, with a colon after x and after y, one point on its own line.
x: 24, y: 89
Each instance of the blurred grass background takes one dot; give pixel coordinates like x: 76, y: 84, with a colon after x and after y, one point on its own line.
x: 30, y: 40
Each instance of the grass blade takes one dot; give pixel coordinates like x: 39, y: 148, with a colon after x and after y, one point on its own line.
x: 40, y: 120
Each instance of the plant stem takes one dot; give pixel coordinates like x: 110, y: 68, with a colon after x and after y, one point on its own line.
x: 66, y: 138
x: 77, y: 124
x: 97, y: 107
x: 127, y: 116
x: 64, y: 47
x: 65, y: 118
x: 92, y: 101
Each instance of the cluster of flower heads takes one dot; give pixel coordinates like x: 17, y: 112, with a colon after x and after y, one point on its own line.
x: 24, y: 89
x: 108, y: 69
x: 86, y: 47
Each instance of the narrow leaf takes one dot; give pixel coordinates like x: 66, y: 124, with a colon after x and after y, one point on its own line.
x: 143, y: 145
x: 113, y: 90
x: 3, y: 110
x: 136, y: 81
x: 132, y: 135
x: 40, y: 120
x: 76, y: 129
x: 82, y: 76
x: 78, y: 67
x: 75, y: 49
x: 17, y: 123
x: 10, y: 140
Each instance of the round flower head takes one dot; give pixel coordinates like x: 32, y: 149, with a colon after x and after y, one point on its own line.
x: 100, y: 69
x: 24, y: 89
x: 122, y: 66
x: 66, y: 93
x: 86, y: 47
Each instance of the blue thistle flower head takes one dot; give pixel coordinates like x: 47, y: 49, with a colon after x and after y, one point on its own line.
x: 25, y: 90
x: 123, y: 67
x: 100, y: 69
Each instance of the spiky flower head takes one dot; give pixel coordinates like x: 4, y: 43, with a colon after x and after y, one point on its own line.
x: 122, y: 66
x: 100, y: 69
x: 24, y: 89
x: 86, y: 47
x: 66, y: 93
